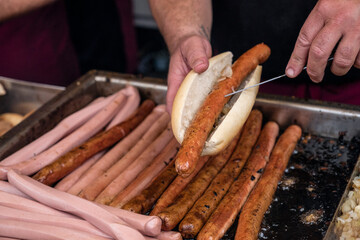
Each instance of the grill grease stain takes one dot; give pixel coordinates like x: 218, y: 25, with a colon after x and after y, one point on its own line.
x: 304, y: 209
x: 311, y: 188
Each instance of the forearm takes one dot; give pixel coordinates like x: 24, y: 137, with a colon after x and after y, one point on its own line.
x: 178, y: 19
x: 13, y: 8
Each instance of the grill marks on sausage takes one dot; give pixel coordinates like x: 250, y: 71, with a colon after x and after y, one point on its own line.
x: 173, y: 214
x: 199, y: 213
x: 262, y: 195
x: 225, y: 213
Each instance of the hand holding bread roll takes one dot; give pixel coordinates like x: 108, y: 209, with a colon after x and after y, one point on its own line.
x: 201, y: 119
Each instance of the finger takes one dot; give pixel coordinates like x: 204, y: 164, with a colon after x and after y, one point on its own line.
x: 321, y: 49
x: 308, y: 32
x: 196, y: 52
x: 177, y: 72
x: 346, y: 54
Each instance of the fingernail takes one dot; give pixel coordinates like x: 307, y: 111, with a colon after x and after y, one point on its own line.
x: 290, y: 72
x: 198, y: 62
x: 199, y: 66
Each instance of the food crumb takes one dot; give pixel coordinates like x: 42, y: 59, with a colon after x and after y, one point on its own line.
x: 348, y: 224
x: 312, y: 216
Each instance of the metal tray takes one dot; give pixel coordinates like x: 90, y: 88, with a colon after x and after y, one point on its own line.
x: 330, y: 234
x: 318, y: 118
x: 23, y: 97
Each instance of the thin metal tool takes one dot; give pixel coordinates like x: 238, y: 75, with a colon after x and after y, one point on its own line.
x: 266, y: 81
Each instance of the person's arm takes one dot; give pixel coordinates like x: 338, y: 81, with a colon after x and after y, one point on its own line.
x: 332, y: 24
x: 13, y: 8
x: 185, y: 26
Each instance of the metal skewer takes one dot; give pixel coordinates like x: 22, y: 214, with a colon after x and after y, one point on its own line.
x: 266, y: 81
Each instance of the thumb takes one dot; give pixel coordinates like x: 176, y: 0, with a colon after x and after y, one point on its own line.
x: 196, y: 53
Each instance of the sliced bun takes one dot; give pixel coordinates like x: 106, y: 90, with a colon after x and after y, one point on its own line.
x: 196, y: 87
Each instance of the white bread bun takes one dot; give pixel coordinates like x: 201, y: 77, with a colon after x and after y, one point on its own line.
x: 194, y: 90
x: 12, y: 118
x: 9, y: 120
x: 4, y: 126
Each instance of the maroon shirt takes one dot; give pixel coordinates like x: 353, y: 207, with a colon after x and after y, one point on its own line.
x: 342, y: 91
x: 36, y: 47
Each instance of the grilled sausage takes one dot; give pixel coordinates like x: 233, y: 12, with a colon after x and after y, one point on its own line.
x: 117, y: 152
x: 262, y: 195
x: 146, y: 199
x: 68, y: 162
x: 176, y: 187
x: 95, y: 187
x: 145, y: 177
x: 203, y: 122
x: 224, y: 215
x: 65, y: 127
x: 173, y: 214
x: 206, y: 204
x: 67, y: 182
x: 130, y: 173
x: 79, y: 136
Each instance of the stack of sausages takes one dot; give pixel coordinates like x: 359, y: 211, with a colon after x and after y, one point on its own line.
x: 92, y: 140
x: 117, y: 153
x: 205, y: 204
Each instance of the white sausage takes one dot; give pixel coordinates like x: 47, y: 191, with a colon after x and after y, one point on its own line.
x: 76, y: 138
x: 107, y: 222
x: 33, y: 231
x: 17, y: 202
x: 68, y: 181
x: 131, y: 104
x: 8, y: 188
x: 147, y: 175
x: 130, y: 173
x: 39, y: 218
x: 149, y: 225
x: 99, y: 184
x: 63, y: 128
x: 117, y: 152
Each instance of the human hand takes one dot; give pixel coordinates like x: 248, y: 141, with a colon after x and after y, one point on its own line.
x: 331, y: 22
x: 192, y: 53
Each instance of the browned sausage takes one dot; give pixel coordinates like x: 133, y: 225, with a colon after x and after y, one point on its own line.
x: 262, y: 195
x: 206, y: 204
x: 173, y: 214
x: 145, y: 177
x: 133, y: 169
x: 176, y: 187
x: 116, y: 153
x: 224, y: 215
x: 68, y: 181
x: 68, y: 162
x: 146, y: 199
x: 199, y: 129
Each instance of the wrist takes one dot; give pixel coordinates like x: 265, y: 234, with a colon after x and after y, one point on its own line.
x: 174, y: 42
